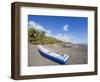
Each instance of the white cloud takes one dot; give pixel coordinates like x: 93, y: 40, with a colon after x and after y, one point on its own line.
x: 63, y: 37
x: 31, y: 23
x: 39, y: 27
x: 48, y: 33
x: 65, y: 28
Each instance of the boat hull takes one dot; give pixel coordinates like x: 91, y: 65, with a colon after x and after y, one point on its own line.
x: 57, y: 60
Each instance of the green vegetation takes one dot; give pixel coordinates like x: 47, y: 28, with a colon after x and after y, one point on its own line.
x: 39, y: 37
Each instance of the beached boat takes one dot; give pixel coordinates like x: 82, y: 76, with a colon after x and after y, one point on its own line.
x: 54, y: 56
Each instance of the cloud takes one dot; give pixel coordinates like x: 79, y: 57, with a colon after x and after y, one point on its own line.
x: 39, y: 27
x: 63, y: 37
x: 48, y: 33
x: 31, y: 23
x: 65, y: 28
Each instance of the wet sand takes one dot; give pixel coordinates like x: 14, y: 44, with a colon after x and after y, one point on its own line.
x: 77, y: 55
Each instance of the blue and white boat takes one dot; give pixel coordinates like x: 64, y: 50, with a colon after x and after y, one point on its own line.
x: 54, y: 56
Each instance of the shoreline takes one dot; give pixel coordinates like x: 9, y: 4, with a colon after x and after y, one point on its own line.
x: 77, y: 55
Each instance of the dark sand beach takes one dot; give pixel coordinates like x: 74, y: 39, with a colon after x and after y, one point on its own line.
x: 77, y: 55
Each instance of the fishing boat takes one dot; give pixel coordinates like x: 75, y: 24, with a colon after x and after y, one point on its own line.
x: 54, y: 56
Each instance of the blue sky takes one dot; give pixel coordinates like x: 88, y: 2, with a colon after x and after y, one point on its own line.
x: 72, y: 29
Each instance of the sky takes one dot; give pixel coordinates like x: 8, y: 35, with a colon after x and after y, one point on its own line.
x: 67, y: 29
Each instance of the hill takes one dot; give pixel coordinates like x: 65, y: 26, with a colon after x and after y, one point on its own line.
x: 39, y: 37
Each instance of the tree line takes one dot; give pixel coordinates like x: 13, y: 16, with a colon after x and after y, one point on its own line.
x: 39, y: 37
